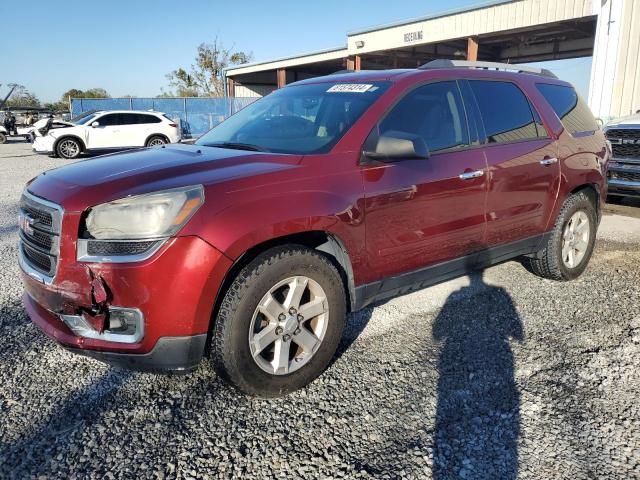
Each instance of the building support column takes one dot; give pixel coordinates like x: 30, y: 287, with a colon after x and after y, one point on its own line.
x: 472, y: 49
x: 354, y: 63
x: 281, y: 77
x: 358, y: 63
x: 231, y: 87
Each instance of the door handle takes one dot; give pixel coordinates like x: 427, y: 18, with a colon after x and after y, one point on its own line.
x: 470, y: 175
x: 548, y: 161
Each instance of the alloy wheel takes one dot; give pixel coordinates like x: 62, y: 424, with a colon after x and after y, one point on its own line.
x: 69, y: 148
x: 288, y: 325
x: 155, y: 142
x: 575, y: 239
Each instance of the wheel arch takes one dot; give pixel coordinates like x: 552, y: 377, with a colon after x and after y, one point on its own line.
x: 83, y: 147
x: 156, y: 135
x: 319, y: 240
x: 592, y: 191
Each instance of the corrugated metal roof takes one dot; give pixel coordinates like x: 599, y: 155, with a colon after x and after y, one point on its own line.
x: 290, y: 57
x: 446, y: 13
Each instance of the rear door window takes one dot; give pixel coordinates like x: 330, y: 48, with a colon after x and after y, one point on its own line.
x: 506, y: 113
x: 572, y: 111
x: 129, y: 118
x: 433, y: 111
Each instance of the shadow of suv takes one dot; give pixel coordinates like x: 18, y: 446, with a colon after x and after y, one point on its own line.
x: 251, y: 245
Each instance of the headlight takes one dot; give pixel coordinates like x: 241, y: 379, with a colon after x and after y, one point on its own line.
x: 150, y: 216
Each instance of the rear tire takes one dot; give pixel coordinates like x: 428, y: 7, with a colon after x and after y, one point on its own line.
x: 3, y: 138
x: 156, y: 141
x: 68, y: 148
x: 246, y: 341
x: 567, y: 251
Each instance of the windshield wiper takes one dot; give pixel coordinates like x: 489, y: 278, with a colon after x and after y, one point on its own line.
x: 236, y: 146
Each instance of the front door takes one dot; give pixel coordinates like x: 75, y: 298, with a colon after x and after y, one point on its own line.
x: 423, y: 212
x: 107, y: 134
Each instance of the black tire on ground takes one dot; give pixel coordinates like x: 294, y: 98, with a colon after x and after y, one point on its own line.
x: 68, y: 148
x: 230, y: 351
x: 548, y: 263
x: 3, y: 138
x: 156, y: 140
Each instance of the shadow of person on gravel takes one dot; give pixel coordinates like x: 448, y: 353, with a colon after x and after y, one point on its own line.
x: 477, y: 421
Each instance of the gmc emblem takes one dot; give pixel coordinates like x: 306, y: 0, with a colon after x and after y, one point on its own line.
x: 25, y: 222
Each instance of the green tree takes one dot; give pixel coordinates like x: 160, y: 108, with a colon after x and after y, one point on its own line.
x: 91, y: 93
x: 204, y: 77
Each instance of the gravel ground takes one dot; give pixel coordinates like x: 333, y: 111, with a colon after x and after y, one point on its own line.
x: 503, y: 375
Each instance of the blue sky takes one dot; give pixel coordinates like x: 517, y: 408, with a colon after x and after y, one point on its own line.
x: 128, y: 46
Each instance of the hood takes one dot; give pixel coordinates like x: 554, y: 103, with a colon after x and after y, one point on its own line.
x: 109, y: 177
x: 631, y: 120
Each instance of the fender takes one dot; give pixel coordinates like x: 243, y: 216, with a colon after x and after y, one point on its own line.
x: 233, y: 232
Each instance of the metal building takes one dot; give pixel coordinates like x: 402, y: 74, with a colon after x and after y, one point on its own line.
x: 515, y: 31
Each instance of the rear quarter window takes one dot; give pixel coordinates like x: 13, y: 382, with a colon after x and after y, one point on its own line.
x: 143, y: 119
x: 572, y: 111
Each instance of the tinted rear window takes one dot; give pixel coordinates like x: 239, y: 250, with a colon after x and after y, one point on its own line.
x: 570, y: 108
x: 148, y: 119
x: 506, y: 112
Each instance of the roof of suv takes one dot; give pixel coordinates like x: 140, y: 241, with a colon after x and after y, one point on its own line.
x: 147, y: 112
x: 397, y: 74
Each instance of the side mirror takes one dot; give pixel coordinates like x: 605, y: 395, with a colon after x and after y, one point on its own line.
x: 395, y: 145
x: 95, y: 124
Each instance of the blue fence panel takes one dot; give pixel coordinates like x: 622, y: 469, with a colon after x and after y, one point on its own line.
x: 196, y: 115
x: 142, y: 103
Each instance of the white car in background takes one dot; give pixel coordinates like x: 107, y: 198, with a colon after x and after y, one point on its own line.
x: 42, y: 127
x: 109, y: 130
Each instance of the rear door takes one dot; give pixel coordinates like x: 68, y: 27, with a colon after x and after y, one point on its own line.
x: 422, y: 212
x: 132, y: 132
x: 147, y: 126
x: 523, y: 169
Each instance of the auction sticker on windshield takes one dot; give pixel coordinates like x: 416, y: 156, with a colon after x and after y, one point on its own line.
x: 350, y: 88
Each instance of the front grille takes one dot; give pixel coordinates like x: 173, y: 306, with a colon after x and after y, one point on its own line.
x: 40, y: 261
x: 619, y: 136
x: 40, y: 233
x: 621, y: 150
x: 623, y: 133
x: 42, y: 218
x: 38, y: 238
x: 627, y: 176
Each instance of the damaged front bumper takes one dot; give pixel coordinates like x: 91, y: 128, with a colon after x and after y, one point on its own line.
x: 152, y: 315
x: 169, y: 354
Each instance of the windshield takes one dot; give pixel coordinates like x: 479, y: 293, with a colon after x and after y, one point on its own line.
x: 84, y: 117
x: 299, y: 119
x: 85, y: 120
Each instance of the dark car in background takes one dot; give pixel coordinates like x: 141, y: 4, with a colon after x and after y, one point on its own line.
x: 624, y: 168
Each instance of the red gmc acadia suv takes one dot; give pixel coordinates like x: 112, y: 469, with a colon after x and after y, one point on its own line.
x: 250, y: 246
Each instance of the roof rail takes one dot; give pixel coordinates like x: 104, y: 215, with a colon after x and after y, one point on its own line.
x: 443, y: 63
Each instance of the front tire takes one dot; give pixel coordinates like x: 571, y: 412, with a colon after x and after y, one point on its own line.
x: 3, y: 138
x: 156, y: 141
x: 567, y: 251
x: 68, y: 148
x: 280, y: 322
